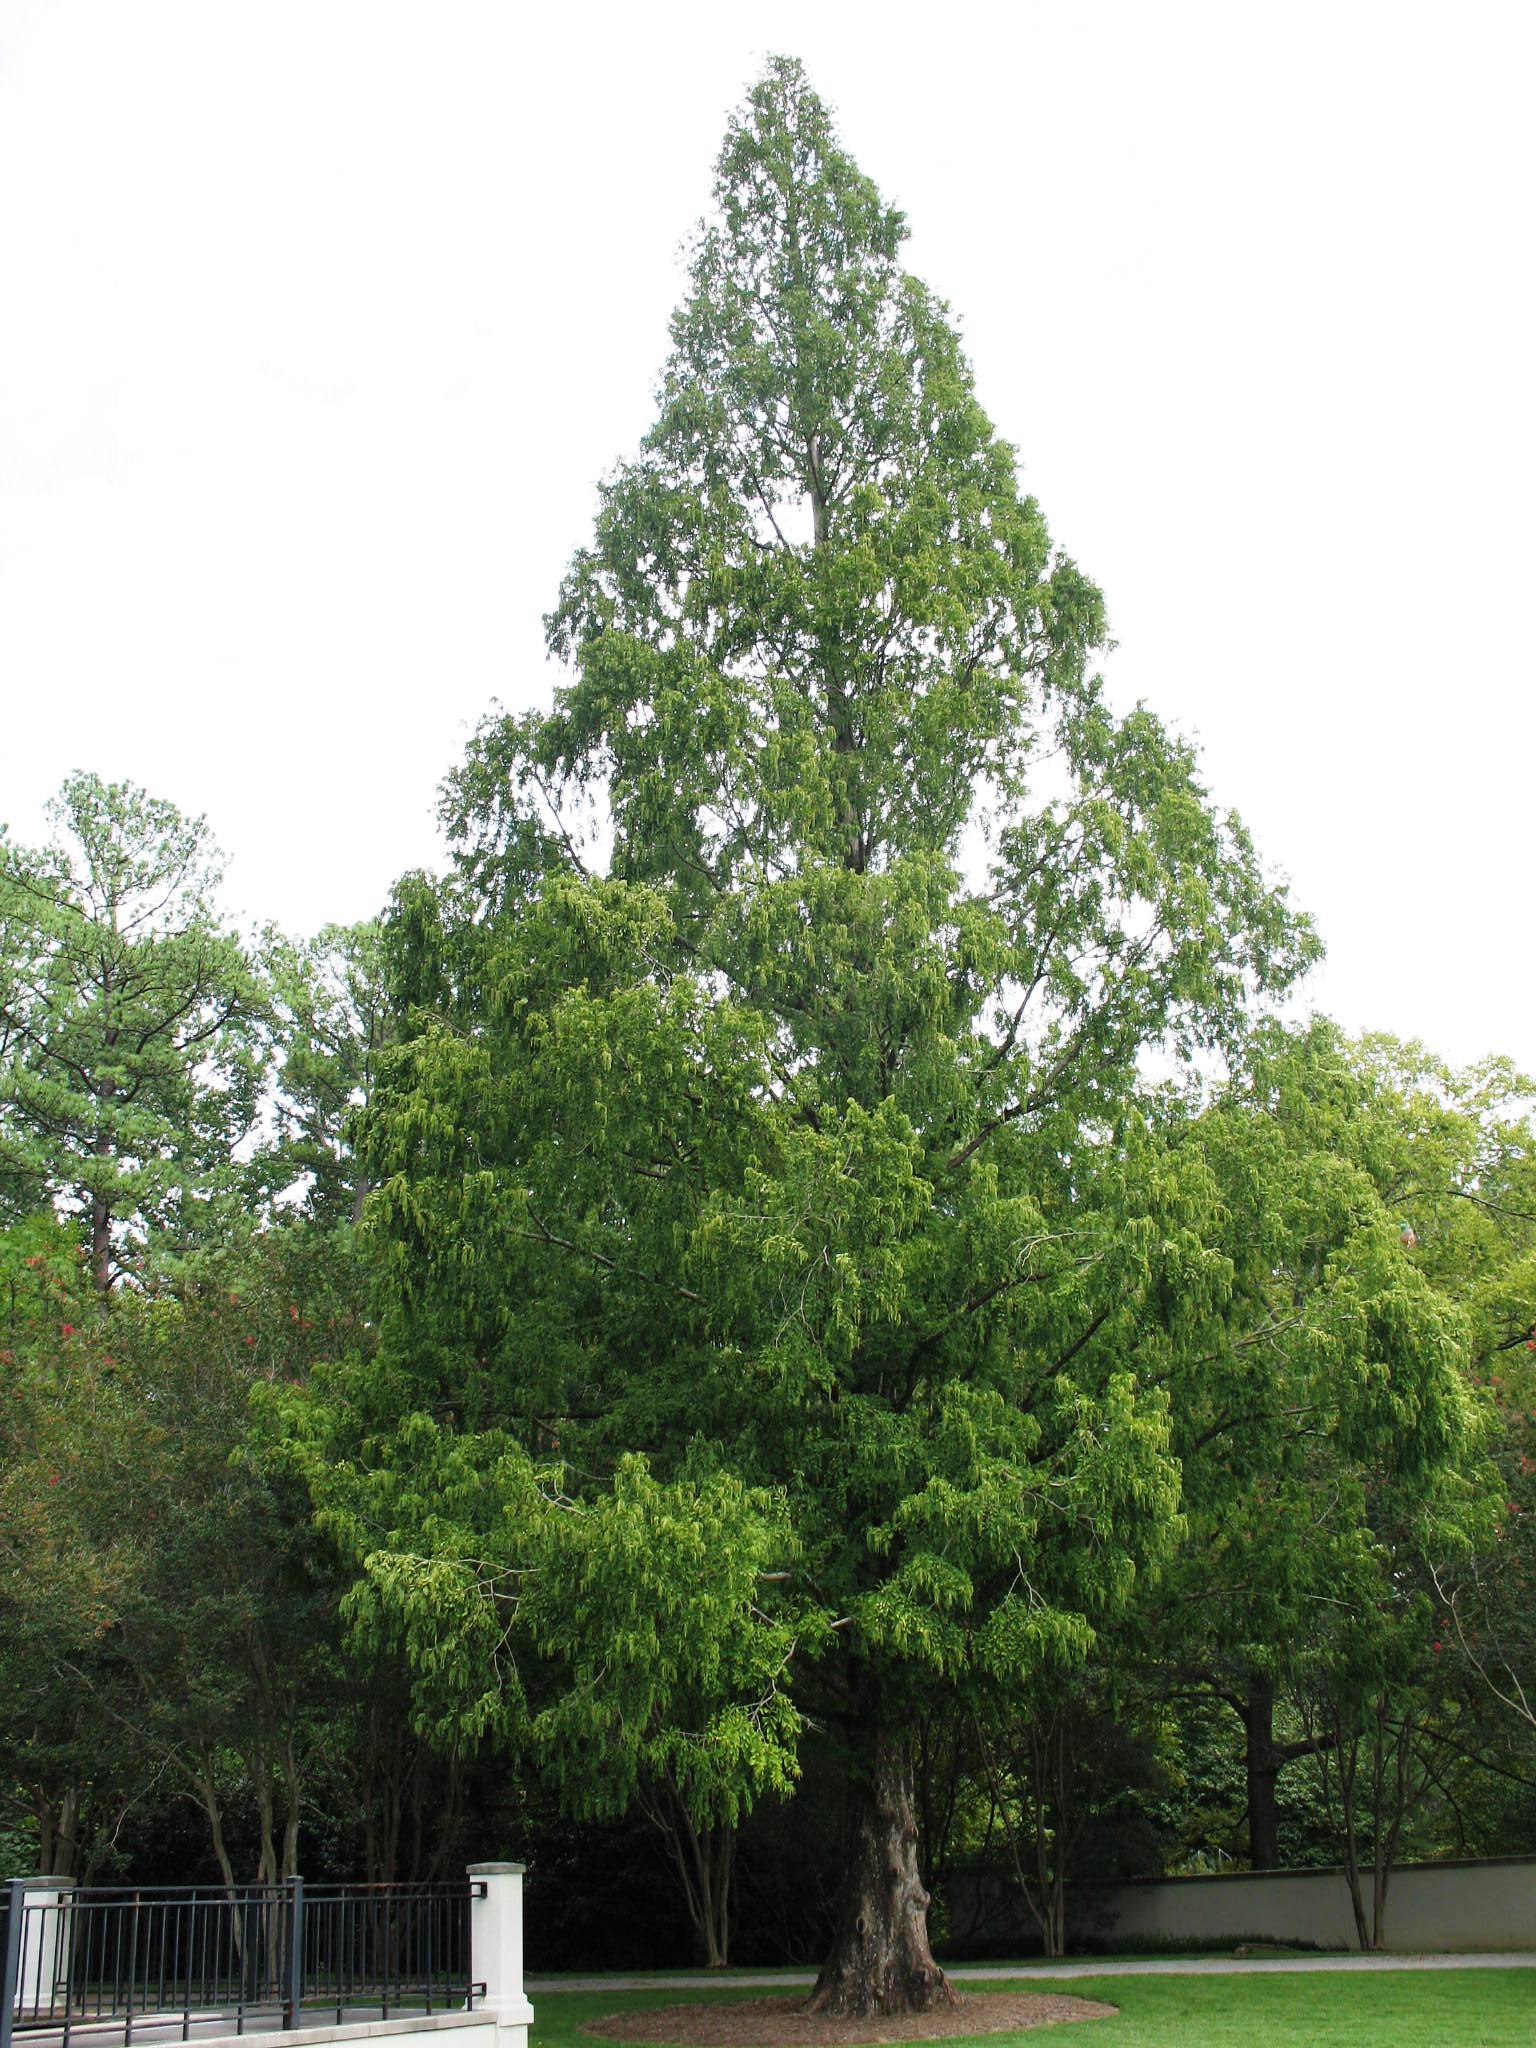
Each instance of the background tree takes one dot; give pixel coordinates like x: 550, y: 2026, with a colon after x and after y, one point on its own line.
x: 1060, y: 1769
x: 781, y: 1158
x: 334, y: 1024
x: 67, y: 1778
x: 131, y: 1025
x: 1327, y: 1429
x: 179, y: 1611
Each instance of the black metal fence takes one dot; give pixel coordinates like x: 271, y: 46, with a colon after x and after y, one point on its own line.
x: 215, y: 1960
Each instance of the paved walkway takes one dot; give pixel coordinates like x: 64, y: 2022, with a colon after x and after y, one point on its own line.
x: 992, y: 1973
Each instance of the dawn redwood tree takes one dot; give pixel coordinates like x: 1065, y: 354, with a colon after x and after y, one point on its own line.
x: 772, y: 1240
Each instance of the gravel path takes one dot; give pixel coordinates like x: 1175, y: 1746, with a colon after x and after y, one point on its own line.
x: 992, y: 1973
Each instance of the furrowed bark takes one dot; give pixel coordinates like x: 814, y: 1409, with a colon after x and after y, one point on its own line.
x: 881, y: 1961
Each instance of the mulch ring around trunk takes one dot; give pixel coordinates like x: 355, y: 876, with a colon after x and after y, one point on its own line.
x: 782, y: 2022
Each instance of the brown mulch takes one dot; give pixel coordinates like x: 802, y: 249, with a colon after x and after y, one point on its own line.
x: 783, y: 2022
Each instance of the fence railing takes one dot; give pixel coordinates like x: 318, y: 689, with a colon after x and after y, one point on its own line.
x: 213, y: 1959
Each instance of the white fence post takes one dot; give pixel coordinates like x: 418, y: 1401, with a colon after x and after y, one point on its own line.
x: 496, y: 1949
x: 42, y: 1925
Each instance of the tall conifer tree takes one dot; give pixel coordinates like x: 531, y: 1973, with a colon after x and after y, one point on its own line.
x: 763, y: 1144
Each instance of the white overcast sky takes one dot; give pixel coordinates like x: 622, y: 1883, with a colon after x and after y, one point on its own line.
x: 320, y: 321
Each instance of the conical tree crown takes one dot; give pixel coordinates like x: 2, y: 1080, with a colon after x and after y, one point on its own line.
x: 817, y: 612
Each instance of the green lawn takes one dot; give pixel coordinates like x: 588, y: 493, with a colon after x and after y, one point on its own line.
x: 1400, y: 2009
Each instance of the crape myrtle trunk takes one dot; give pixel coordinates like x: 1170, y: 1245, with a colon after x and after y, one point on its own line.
x: 880, y: 1960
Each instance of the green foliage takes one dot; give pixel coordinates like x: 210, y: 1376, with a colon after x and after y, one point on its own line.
x: 1328, y: 1410
x: 1335, y: 1443
x: 132, y: 1052
x: 334, y: 1022
x: 172, y: 1610
x: 654, y: 1659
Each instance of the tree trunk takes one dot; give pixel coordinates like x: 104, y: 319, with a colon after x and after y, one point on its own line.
x: 716, y: 1857
x: 58, y: 1832
x: 1348, y: 1754
x: 288, y: 1842
x: 101, y: 1206
x: 208, y: 1794
x: 101, y: 1244
x: 880, y: 1960
x: 1263, y: 1760
x: 703, y: 1861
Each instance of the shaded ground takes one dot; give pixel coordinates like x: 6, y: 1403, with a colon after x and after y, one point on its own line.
x: 780, y: 2022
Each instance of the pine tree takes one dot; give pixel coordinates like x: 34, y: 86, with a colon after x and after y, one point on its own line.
x: 132, y: 1025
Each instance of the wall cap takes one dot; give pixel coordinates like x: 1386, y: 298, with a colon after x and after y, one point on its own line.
x: 355, y: 2030
x: 1303, y: 1870
x: 497, y: 1869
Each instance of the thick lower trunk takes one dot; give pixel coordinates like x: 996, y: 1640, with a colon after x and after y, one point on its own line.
x: 880, y: 1960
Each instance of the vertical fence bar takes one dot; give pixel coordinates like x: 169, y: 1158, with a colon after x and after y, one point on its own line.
x: 133, y: 1967
x: 113, y: 1914
x: 428, y: 1914
x: 293, y: 1995
x: 343, y: 1936
x: 73, y: 1927
x: 188, y: 1950
x: 235, y: 1963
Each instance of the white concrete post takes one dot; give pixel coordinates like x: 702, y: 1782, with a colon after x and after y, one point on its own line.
x: 41, y: 1932
x: 496, y: 1949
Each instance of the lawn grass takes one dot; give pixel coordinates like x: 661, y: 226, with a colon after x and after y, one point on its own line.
x: 1388, y: 2009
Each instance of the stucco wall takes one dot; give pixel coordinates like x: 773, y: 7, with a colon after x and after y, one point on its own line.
x: 1488, y: 1905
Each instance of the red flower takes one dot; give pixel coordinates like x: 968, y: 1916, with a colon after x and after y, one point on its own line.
x: 69, y: 1329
